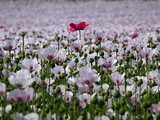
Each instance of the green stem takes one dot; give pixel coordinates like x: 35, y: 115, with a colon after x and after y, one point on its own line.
x: 79, y: 34
x: 23, y: 47
x: 158, y: 94
x: 58, y: 44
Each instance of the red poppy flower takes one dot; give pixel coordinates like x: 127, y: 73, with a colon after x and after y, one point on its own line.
x: 81, y: 26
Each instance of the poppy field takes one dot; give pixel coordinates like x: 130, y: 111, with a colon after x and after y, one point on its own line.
x: 92, y: 60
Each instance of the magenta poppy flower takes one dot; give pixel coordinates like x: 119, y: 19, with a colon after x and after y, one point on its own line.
x: 81, y: 26
x: 1, y: 27
x: 133, y: 35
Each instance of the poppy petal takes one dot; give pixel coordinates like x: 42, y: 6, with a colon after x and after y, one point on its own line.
x: 72, y: 29
x: 82, y: 26
x: 72, y: 25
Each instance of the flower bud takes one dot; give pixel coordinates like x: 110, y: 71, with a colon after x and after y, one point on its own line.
x: 133, y: 109
x: 83, y: 113
x: 80, y: 53
x: 7, y: 59
x: 127, y: 58
x: 122, y: 101
x: 98, y: 42
x: 16, y: 60
x: 120, y: 62
x: 139, y: 82
x: 134, y: 48
x: 66, y: 117
x: 91, y: 60
x: 116, y: 106
x: 76, y: 60
x: 85, y: 55
x: 124, y: 48
x: 153, y: 46
x: 112, y: 117
x: 33, y: 55
x: 135, y: 79
x: 62, y: 108
x: 131, y: 56
x: 148, y: 116
x: 128, y: 94
x: 116, y: 94
x: 52, y: 75
x: 101, y: 53
x: 101, y: 103
x: 96, y: 112
x: 149, y: 104
x: 64, y: 65
x: 125, y: 67
x: 94, y: 101
x: 57, y: 90
x: 90, y: 52
x: 106, y: 98
x: 1, y: 67
x: 23, y: 34
x: 43, y: 76
x: 102, y: 71
x: 122, y: 111
x: 46, y: 110
x: 44, y: 46
x: 37, y: 105
x: 144, y: 105
x: 75, y: 86
x: 157, y: 116
x: 62, y: 76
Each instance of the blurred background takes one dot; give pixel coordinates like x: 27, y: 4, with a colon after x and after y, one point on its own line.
x: 100, y: 14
